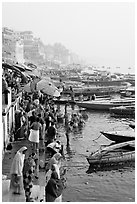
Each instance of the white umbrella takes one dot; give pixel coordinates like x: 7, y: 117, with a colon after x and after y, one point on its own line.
x: 48, y: 88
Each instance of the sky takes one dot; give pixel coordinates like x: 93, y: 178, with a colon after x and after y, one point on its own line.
x: 102, y: 33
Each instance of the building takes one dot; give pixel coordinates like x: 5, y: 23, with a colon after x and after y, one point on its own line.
x: 12, y: 47
x: 33, y: 47
x: 8, y: 44
x: 19, y: 51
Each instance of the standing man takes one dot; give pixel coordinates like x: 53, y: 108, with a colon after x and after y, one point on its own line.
x: 51, y: 132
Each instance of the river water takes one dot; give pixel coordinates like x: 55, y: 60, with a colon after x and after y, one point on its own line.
x: 115, y: 185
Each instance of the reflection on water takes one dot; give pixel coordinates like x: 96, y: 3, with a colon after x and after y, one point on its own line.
x: 69, y: 152
x: 116, y: 184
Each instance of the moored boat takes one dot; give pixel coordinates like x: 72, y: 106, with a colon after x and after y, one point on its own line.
x: 98, y: 90
x: 65, y: 100
x: 107, y: 82
x: 123, y: 110
x: 128, y: 92
x: 102, y: 104
x: 119, y: 136
x: 113, y: 154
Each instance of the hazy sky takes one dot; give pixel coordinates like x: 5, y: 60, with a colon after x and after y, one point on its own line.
x: 101, y: 32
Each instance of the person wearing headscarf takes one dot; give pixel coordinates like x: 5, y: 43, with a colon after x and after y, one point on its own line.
x: 54, y: 188
x: 56, y: 159
x: 16, y: 182
x: 54, y: 164
x: 28, y: 175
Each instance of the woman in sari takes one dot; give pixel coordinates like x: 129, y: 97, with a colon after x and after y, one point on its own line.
x: 54, y: 188
x: 28, y: 175
x: 54, y: 164
x: 16, y: 183
x: 56, y: 159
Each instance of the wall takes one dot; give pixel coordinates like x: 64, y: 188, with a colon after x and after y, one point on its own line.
x: 8, y: 120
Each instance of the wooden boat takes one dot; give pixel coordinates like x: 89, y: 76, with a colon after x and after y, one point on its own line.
x: 128, y: 92
x: 119, y: 136
x: 65, y: 100
x: 113, y: 154
x: 118, y: 82
x: 103, y: 104
x: 124, y: 100
x: 98, y: 90
x: 123, y: 110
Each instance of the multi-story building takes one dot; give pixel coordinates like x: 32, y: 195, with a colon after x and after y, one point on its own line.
x: 24, y: 47
x: 8, y: 44
x: 12, y: 47
x: 27, y: 38
x: 19, y: 51
x: 33, y: 48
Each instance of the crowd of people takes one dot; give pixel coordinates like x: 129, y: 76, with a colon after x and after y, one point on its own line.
x: 35, y: 120
x: 23, y: 171
x: 38, y: 117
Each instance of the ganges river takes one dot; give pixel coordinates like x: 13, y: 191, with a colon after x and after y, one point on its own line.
x: 115, y: 185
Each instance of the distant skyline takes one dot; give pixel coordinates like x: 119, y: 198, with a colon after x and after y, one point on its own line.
x: 103, y: 33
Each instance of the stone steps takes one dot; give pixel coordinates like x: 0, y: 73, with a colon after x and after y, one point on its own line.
x: 37, y: 192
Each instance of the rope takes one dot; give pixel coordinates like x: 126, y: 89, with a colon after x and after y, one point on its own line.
x: 97, y: 138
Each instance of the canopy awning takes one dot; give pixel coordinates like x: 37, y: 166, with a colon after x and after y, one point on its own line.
x: 13, y: 68
x: 29, y: 73
x: 10, y: 66
x: 26, y: 67
x: 19, y: 66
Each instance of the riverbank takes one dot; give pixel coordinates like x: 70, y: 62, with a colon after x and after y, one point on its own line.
x: 111, y: 185
x: 116, y: 185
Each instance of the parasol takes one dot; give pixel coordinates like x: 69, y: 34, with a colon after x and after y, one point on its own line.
x: 48, y: 88
x: 15, y: 69
x: 20, y: 67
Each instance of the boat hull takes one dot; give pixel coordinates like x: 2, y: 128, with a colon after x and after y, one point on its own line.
x: 114, y: 159
x: 99, y: 106
x: 125, y: 111
x: 118, y: 137
x: 113, y: 155
x: 64, y: 101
